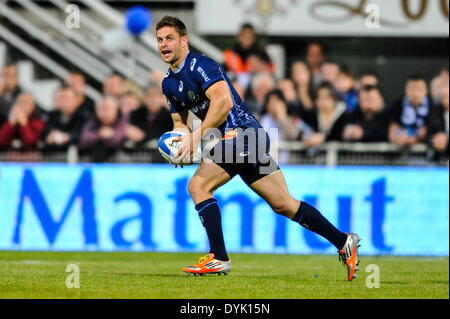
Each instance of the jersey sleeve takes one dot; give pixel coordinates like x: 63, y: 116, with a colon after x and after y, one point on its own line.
x: 174, y: 105
x: 206, y: 72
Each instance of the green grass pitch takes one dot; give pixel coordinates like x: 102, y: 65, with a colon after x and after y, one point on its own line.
x: 158, y: 275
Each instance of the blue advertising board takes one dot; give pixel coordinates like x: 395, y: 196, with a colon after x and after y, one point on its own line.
x: 109, y: 207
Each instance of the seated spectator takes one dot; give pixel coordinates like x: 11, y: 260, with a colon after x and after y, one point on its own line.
x: 63, y: 124
x: 409, y: 115
x: 260, y: 63
x: 369, y: 122
x: 438, y: 126
x: 103, y: 135
x: 261, y: 84
x: 239, y: 89
x: 77, y: 82
x: 301, y: 75
x: 367, y: 79
x: 10, y: 89
x: 327, y: 120
x: 151, y: 121
x: 315, y: 56
x: 346, y: 86
x: 330, y: 72
x: 278, y: 124
x: 156, y: 77
x: 129, y: 103
x: 23, y: 124
x: 114, y: 87
x: 439, y: 84
x: 294, y: 104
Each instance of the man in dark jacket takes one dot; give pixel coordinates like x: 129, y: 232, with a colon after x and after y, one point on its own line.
x: 369, y: 121
x: 154, y: 119
x: 63, y: 125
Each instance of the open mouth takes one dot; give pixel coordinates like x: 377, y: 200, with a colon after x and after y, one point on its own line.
x: 166, y: 53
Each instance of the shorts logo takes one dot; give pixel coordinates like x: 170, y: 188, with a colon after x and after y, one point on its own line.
x: 230, y: 135
x: 181, y: 86
x: 193, y: 64
x: 243, y: 154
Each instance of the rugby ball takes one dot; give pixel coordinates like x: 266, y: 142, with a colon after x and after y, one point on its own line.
x: 169, y: 148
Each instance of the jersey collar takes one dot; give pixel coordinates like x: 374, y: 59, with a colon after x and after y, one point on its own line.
x: 182, y: 64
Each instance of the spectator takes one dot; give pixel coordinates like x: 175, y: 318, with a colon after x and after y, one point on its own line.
x: 129, y: 103
x: 438, y: 126
x: 237, y: 59
x: 151, y: 121
x: 63, y: 124
x: 301, y: 75
x: 103, y: 135
x: 294, y: 104
x: 77, y: 82
x: 3, y: 106
x: 409, y: 115
x: 326, y: 122
x: 275, y: 116
x: 369, y: 122
x: 260, y: 63
x: 156, y: 77
x: 114, y: 87
x: 10, y: 89
x: 261, y: 84
x: 367, y: 79
x: 315, y: 56
x: 23, y: 124
x: 239, y: 89
x: 346, y: 86
x: 439, y: 84
x: 330, y: 73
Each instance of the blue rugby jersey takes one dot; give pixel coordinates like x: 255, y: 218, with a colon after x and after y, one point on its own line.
x: 185, y: 90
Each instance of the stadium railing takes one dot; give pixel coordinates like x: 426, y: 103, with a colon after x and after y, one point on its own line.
x: 328, y: 154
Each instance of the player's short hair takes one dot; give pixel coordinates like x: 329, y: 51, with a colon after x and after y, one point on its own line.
x: 170, y: 21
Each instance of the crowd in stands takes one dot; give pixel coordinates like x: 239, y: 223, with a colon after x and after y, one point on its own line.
x: 319, y: 101
x: 97, y: 128
x: 322, y: 100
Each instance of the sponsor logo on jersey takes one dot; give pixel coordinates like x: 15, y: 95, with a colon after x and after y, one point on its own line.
x: 180, y: 88
x: 194, y: 60
x: 192, y: 97
x: 198, y: 108
x: 203, y: 73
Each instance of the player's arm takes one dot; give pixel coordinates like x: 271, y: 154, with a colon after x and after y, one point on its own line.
x: 180, y: 122
x: 220, y: 106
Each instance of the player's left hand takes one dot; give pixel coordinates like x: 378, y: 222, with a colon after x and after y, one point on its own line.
x: 188, y: 144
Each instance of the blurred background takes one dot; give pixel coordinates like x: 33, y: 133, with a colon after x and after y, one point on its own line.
x: 357, y: 90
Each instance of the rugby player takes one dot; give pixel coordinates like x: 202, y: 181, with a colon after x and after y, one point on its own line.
x: 198, y: 84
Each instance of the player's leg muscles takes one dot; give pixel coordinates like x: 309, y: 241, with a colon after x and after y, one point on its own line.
x: 273, y: 189
x: 206, y: 180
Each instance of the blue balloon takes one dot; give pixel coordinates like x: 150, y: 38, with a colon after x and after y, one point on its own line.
x: 138, y: 19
